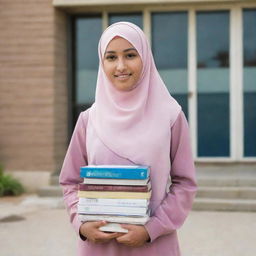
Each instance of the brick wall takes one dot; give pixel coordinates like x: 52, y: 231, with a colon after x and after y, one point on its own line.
x: 33, y: 97
x: 60, y: 88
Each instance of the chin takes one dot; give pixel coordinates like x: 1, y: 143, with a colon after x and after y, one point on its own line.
x: 125, y: 88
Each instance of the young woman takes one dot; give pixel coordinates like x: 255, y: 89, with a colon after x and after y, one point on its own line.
x: 134, y: 120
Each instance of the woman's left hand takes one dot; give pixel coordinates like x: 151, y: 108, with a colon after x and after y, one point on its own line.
x: 136, y: 236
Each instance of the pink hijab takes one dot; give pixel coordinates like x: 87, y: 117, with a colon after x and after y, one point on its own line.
x: 135, y: 125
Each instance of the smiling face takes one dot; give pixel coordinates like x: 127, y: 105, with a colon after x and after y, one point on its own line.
x: 122, y: 64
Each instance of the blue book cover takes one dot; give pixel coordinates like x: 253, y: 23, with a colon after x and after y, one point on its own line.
x: 136, y: 172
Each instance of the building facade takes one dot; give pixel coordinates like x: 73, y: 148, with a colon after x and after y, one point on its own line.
x: 205, y: 52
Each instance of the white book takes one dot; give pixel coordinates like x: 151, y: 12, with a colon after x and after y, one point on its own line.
x: 131, y: 182
x: 112, y: 210
x: 113, y: 227
x: 114, y: 202
x: 141, y: 220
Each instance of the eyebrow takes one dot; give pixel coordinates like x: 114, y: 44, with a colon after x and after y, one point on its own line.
x: 126, y: 50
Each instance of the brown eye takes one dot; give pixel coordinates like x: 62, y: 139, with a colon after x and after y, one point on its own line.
x: 110, y: 57
x: 131, y: 55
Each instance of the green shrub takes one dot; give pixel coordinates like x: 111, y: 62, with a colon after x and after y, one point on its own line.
x: 9, y: 185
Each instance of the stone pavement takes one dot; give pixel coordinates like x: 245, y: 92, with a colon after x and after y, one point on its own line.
x: 34, y: 226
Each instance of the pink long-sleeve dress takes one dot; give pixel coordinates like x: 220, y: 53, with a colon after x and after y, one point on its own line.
x: 170, y: 208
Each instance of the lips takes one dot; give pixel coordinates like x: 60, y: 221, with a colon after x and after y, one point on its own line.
x: 122, y: 76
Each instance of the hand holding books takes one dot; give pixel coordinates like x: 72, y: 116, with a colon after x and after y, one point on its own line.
x: 116, y: 194
x: 91, y: 231
x: 137, y: 235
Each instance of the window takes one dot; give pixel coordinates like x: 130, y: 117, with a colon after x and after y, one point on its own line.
x: 213, y: 83
x: 86, y: 61
x: 249, y: 81
x: 135, y: 18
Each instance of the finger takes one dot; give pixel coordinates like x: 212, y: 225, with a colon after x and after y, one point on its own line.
x: 110, y: 235
x: 120, y: 234
x: 126, y: 243
x: 105, y: 237
x: 127, y: 226
x: 122, y: 239
x: 100, y: 223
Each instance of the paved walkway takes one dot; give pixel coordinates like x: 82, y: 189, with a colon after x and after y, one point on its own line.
x: 32, y: 226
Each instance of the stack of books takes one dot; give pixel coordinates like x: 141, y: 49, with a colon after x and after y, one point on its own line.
x: 114, y: 193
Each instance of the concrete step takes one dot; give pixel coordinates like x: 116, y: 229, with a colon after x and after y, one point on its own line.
x: 227, y: 192
x: 225, y: 181
x: 215, y: 193
x: 207, y: 180
x: 50, y: 191
x: 210, y: 204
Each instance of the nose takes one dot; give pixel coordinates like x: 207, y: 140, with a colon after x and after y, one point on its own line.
x: 121, y: 65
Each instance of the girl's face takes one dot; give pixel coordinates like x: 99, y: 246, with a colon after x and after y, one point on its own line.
x: 122, y: 64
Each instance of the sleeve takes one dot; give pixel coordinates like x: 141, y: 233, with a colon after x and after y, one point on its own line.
x: 70, y: 173
x: 173, y: 210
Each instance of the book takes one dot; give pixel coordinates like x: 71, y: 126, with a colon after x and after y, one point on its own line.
x: 114, y: 202
x: 116, y: 194
x: 113, y: 227
x: 112, y: 210
x: 140, y: 220
x: 128, y: 182
x: 113, y: 194
x: 115, y: 171
x: 94, y: 187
